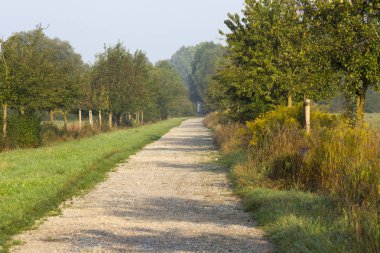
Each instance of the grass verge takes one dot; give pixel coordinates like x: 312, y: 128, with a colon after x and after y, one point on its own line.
x: 33, y: 182
x: 295, y: 221
x: 310, y: 193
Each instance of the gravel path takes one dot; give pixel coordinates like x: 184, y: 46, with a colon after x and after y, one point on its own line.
x: 166, y: 198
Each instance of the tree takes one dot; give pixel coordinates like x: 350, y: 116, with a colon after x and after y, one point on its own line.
x: 43, y: 73
x: 181, y: 60
x: 170, y: 92
x: 112, y: 71
x: 64, y: 77
x: 139, y: 91
x: 355, y: 27
x: 4, y: 89
x: 274, y: 53
x: 207, y: 59
x: 249, y: 71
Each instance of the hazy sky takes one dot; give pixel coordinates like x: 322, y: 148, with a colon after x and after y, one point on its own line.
x: 158, y: 27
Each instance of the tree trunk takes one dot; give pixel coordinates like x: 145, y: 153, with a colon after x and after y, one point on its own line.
x: 307, y: 103
x: 90, y: 118
x: 129, y: 117
x: 290, y: 100
x: 51, y: 114
x: 360, y: 107
x: 120, y: 119
x: 110, y: 120
x: 80, y: 119
x: 142, y: 118
x: 64, y: 113
x: 137, y: 118
x: 100, y: 119
x: 5, y: 114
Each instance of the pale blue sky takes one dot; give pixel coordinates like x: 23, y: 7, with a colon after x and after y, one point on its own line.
x: 157, y: 27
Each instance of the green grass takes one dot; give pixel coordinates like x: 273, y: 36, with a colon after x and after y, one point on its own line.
x: 295, y: 221
x: 33, y: 182
x: 299, y: 222
x: 373, y: 120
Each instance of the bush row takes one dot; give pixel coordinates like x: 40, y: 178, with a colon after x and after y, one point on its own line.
x: 27, y: 131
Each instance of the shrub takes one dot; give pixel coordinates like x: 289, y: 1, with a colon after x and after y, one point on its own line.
x: 86, y: 131
x: 335, y: 159
x: 272, y: 122
x: 24, y: 131
x: 228, y: 136
x: 346, y: 162
x: 50, y: 133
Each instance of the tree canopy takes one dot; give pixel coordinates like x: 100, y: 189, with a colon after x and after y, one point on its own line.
x: 280, y: 51
x: 38, y: 74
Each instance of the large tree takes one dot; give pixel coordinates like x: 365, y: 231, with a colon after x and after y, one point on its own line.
x: 274, y: 52
x: 208, y: 57
x: 355, y: 28
x: 169, y: 90
x: 182, y: 60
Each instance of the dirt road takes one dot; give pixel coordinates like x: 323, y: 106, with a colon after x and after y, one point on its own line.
x: 169, y: 197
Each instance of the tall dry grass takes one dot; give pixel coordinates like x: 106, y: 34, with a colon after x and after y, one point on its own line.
x: 334, y: 160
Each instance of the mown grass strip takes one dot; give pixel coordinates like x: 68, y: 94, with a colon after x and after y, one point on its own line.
x: 34, y: 182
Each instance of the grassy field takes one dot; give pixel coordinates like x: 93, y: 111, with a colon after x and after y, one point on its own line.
x: 373, y: 120
x: 33, y: 182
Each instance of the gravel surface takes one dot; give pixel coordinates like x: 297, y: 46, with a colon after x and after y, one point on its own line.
x: 169, y: 197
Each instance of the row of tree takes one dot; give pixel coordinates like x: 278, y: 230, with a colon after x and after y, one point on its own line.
x: 286, y: 50
x: 38, y: 73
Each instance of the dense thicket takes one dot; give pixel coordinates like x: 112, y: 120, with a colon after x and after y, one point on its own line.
x: 39, y: 74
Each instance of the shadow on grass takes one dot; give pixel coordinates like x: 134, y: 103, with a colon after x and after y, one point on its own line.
x: 299, y: 221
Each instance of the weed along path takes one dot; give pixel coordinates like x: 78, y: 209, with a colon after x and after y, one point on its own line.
x: 169, y: 197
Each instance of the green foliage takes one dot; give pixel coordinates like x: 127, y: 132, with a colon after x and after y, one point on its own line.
x: 124, y: 82
x: 170, y: 93
x: 196, y: 65
x: 208, y: 57
x: 354, y: 27
x: 112, y: 75
x: 39, y: 72
x: 276, y: 120
x: 50, y: 133
x: 24, y: 131
x: 181, y: 60
x: 36, y: 181
x: 298, y: 49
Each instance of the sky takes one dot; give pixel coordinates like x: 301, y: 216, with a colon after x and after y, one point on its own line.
x: 158, y: 27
